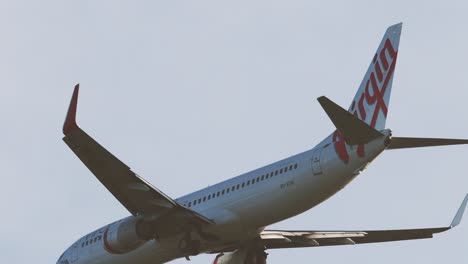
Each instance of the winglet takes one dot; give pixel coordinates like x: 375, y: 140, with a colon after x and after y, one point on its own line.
x: 458, y: 217
x: 70, y: 121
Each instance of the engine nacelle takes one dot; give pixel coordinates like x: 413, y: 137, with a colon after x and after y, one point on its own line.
x: 242, y: 256
x: 124, y: 236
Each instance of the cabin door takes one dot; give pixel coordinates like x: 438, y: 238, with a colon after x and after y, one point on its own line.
x: 316, y: 166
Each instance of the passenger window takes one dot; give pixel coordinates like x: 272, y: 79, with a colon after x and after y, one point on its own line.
x: 209, y: 197
x: 227, y: 190
x: 295, y: 166
x: 243, y: 184
x: 189, y: 204
x: 194, y: 202
x: 218, y: 194
x: 222, y: 193
x: 286, y: 169
x: 263, y: 177
x: 204, y: 198
x: 258, y: 179
x: 291, y: 167
x: 238, y: 185
x: 276, y: 173
x: 281, y: 171
x: 248, y: 182
x: 199, y: 200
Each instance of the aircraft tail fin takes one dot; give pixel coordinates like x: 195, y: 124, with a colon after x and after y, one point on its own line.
x: 354, y: 130
x: 406, y: 142
x: 371, y: 101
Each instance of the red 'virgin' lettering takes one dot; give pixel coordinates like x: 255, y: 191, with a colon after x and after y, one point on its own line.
x: 362, y: 110
x: 376, y: 87
x: 391, y: 52
x: 377, y: 68
x: 373, y: 95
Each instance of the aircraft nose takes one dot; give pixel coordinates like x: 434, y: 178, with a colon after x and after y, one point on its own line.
x: 63, y: 259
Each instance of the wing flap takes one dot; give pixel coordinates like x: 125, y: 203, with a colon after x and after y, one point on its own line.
x: 116, y: 176
x: 272, y: 239
x: 294, y: 239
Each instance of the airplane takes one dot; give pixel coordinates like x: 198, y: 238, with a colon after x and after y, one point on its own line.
x: 229, y: 219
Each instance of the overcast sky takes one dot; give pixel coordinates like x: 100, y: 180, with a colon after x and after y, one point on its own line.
x: 190, y: 93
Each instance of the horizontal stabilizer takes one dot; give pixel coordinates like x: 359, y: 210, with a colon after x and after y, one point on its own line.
x: 404, y: 142
x: 354, y: 130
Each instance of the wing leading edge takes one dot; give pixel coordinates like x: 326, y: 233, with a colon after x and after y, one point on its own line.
x: 273, y: 239
x: 133, y: 192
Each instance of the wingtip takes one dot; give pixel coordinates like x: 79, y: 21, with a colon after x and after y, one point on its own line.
x: 70, y: 120
x: 458, y: 217
x: 322, y: 99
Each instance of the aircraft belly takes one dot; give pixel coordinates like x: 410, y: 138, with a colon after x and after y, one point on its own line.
x: 149, y: 253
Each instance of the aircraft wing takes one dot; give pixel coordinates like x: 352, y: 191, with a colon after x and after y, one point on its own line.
x: 273, y: 239
x: 132, y: 191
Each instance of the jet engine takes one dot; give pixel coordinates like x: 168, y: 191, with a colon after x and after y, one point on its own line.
x: 242, y: 256
x: 125, y: 235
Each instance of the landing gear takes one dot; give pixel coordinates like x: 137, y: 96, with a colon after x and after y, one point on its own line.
x: 189, y: 246
x: 246, y: 255
x: 256, y: 257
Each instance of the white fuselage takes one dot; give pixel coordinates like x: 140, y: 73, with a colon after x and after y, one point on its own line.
x: 283, y: 189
